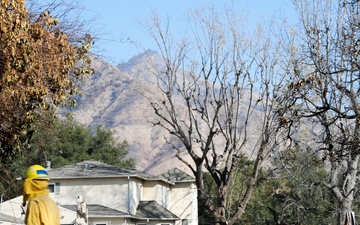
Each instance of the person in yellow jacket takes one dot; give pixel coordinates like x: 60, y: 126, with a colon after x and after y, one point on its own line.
x: 41, y: 209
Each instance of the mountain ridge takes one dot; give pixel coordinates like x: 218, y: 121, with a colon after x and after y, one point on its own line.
x: 112, y: 99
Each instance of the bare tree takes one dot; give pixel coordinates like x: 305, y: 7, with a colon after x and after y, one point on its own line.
x: 216, y: 96
x: 69, y: 15
x: 325, y: 90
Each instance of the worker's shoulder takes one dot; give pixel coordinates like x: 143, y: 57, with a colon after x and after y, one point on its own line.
x: 42, y: 198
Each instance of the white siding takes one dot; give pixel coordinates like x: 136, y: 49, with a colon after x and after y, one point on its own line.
x: 135, y: 186
x: 149, y: 191
x: 183, y: 202
x: 108, y: 192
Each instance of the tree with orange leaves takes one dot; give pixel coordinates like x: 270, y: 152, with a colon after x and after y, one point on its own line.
x: 39, y: 70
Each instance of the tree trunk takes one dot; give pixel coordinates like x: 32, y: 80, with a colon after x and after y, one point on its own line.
x: 346, y: 203
x: 219, y: 217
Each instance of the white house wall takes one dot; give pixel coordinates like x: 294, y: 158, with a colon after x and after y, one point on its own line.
x: 135, y: 186
x: 183, y: 202
x: 106, y: 191
x: 149, y: 191
x: 182, y: 199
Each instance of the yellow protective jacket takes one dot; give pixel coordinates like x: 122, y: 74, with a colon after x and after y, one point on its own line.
x: 41, y: 209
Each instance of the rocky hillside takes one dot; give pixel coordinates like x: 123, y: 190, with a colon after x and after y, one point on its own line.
x: 112, y: 98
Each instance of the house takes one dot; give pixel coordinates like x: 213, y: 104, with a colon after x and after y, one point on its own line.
x: 117, y: 196
x: 12, y: 212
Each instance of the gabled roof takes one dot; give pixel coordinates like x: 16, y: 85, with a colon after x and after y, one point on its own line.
x: 98, y: 211
x: 151, y: 210
x: 11, y: 219
x: 175, y: 175
x: 96, y: 169
x: 147, y: 210
x: 11, y: 211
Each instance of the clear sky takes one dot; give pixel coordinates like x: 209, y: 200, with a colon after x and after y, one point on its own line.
x: 122, y: 37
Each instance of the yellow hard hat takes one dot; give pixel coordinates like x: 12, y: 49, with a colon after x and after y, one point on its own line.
x: 36, y: 172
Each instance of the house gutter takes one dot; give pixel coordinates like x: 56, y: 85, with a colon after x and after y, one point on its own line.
x: 1, y: 201
x: 60, y: 177
x: 129, y: 196
x: 158, y: 219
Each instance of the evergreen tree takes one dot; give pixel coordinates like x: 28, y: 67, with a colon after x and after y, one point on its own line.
x: 63, y: 142
x: 288, y: 192
x: 292, y: 193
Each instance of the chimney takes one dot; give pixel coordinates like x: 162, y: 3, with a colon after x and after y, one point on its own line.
x: 48, y: 165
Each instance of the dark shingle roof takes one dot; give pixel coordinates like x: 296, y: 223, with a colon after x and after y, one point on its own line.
x: 96, y: 169
x: 154, y: 211
x: 96, y: 210
x: 176, y: 175
x: 150, y: 210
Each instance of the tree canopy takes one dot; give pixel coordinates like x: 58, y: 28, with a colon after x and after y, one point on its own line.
x: 303, y: 79
x: 215, y: 98
x: 63, y: 142
x: 39, y: 68
x: 324, y: 92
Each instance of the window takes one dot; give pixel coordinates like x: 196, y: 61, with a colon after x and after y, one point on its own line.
x: 184, y: 221
x: 54, y: 188
x: 101, y: 223
x: 163, y: 196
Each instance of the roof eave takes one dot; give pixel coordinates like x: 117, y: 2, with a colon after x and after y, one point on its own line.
x: 112, y: 216
x: 90, y: 177
x: 163, y: 219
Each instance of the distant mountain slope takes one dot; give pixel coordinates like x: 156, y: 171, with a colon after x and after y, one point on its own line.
x: 112, y: 99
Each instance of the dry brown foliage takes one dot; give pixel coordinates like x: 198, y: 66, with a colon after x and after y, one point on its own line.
x: 39, y: 68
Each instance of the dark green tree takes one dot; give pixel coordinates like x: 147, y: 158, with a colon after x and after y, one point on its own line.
x: 292, y: 193
x: 324, y: 92
x: 104, y: 147
x: 63, y: 142
x: 258, y: 212
x: 288, y: 192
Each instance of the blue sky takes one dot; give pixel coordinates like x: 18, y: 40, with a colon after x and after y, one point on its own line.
x: 122, y: 36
